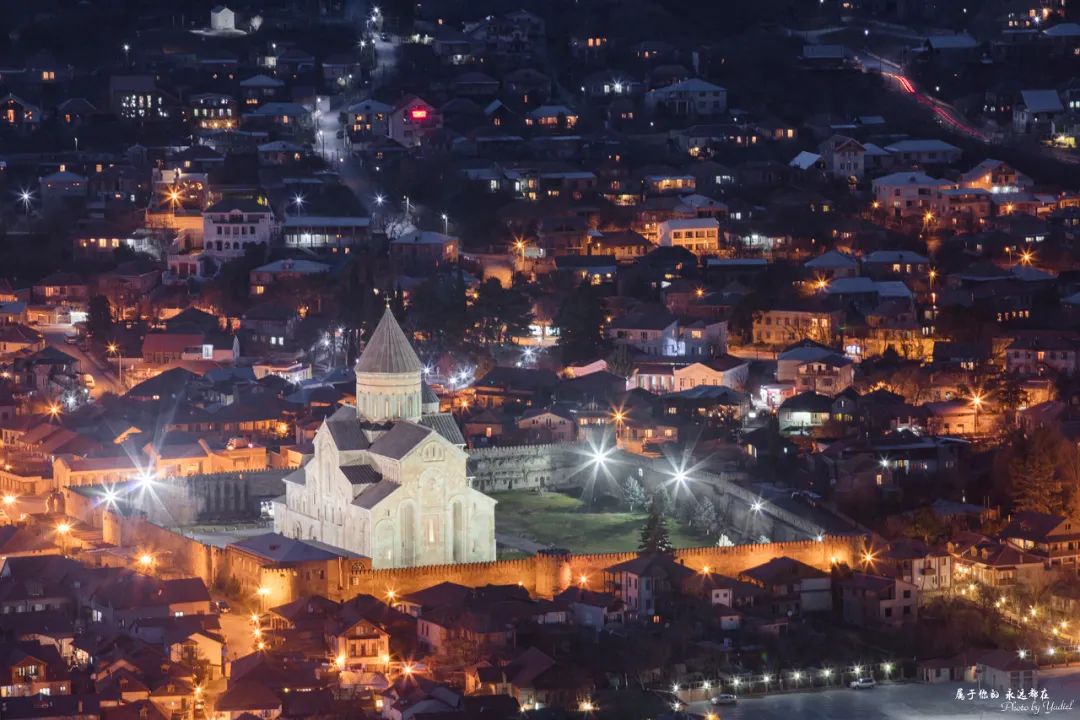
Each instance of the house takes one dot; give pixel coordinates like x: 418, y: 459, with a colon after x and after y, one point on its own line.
x: 62, y: 188
x: 804, y: 412
x: 895, y: 264
x: 700, y: 236
x: 843, y: 157
x: 19, y: 114
x: 831, y: 265
x: 908, y: 194
x: 552, y: 117
x: 876, y: 600
x: 29, y: 668
x: 368, y: 119
x: 16, y: 338
x: 1039, y: 355
x: 61, y: 288
x: 828, y: 375
x: 650, y: 332
x: 412, y: 121
x: 285, y: 271
x: 1053, y: 538
x: 646, y: 584
x: 977, y: 558
x: 270, y: 324
x: 791, y: 322
x: 290, y: 117
x: 912, y: 153
x: 591, y: 609
x: 928, y: 568
x: 1006, y: 670
x: 230, y: 226
x: 260, y: 89
x: 693, y: 97
x: 995, y: 176
x: 726, y: 371
x: 1036, y: 112
x: 594, y: 269
x: 247, y: 698
x: 502, y: 385
x: 549, y: 424
x: 424, y: 249
x: 792, y: 585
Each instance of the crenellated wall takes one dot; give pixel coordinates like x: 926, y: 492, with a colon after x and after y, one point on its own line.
x: 544, y: 574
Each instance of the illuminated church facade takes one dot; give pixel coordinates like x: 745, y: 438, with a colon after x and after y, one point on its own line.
x: 387, y: 479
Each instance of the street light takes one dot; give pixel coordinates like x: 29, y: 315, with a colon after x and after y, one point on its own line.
x: 26, y: 197
x: 263, y: 593
x: 146, y: 561
x: 445, y: 224
x: 9, y: 500
x: 114, y: 349
x: 62, y: 530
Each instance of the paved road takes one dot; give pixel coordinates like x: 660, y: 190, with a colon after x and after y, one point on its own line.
x: 906, y: 701
x: 104, y: 377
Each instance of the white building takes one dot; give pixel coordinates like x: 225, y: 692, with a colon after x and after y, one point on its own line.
x: 689, y: 97
x: 230, y: 225
x: 700, y: 236
x: 388, y: 476
x: 222, y: 19
x: 909, y: 193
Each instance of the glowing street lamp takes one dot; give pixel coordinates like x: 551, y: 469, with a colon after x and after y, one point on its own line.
x: 9, y: 500
x: 263, y: 593
x: 62, y: 531
x: 26, y: 198
x: 445, y: 223
x: 976, y: 405
x: 114, y: 349
x: 146, y: 561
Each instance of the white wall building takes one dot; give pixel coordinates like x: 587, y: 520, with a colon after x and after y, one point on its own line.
x: 230, y: 225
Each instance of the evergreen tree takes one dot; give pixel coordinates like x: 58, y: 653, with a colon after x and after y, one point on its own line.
x: 654, y: 534
x: 580, y: 320
x: 1036, y: 485
x: 99, y: 318
x: 633, y: 493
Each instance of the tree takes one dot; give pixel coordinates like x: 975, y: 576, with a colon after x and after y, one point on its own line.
x: 620, y: 361
x: 500, y: 314
x: 654, y: 534
x: 632, y: 492
x: 925, y: 525
x: 1036, y: 485
x: 99, y: 321
x: 580, y: 320
x: 705, y: 517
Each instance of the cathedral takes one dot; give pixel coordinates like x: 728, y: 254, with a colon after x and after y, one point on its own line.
x: 387, y: 479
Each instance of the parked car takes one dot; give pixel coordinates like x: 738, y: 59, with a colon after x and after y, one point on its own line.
x: 724, y: 699
x: 71, y: 339
x: 866, y: 682
x: 223, y: 606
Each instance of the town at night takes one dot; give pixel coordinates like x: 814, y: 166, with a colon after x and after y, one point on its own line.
x: 539, y: 359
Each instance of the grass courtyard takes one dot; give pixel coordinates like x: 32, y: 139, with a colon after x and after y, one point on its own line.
x: 556, y: 519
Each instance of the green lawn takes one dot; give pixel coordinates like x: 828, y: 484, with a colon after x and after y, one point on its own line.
x: 556, y: 519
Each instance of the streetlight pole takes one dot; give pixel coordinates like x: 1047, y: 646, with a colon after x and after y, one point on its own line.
x: 115, y: 350
x: 445, y: 224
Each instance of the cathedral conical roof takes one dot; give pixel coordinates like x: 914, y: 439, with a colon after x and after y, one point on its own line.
x: 388, y: 350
